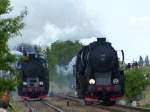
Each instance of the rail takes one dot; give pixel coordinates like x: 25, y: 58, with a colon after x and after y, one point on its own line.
x: 52, y: 106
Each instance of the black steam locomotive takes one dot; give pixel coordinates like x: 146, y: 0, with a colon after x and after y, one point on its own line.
x: 34, y: 77
x: 98, y: 74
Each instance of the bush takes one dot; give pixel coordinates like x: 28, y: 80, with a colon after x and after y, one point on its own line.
x: 135, y: 84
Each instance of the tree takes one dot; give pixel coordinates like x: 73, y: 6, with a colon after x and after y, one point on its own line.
x: 9, y: 27
x: 141, y: 61
x: 61, y: 53
x: 146, y: 60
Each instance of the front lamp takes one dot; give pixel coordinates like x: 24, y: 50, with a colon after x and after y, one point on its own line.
x: 25, y: 83
x: 41, y: 83
x: 92, y: 81
x: 115, y: 81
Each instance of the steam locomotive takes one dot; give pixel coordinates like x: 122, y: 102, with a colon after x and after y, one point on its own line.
x: 34, y: 77
x: 98, y: 74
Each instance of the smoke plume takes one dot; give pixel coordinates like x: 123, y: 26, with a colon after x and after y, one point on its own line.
x: 66, y: 69
x: 52, y: 20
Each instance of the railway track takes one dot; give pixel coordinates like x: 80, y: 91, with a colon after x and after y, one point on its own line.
x: 29, y: 106
x: 122, y: 108
x: 70, y: 104
x: 138, y: 109
x: 115, y: 108
x: 52, y: 106
x: 41, y: 106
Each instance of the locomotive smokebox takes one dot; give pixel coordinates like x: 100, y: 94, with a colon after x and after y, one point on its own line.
x: 101, y: 40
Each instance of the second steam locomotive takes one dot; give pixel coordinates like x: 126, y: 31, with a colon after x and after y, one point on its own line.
x: 98, y: 74
x: 34, y: 77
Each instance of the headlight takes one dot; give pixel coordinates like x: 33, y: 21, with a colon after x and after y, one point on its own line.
x: 115, y: 81
x: 92, y: 81
x: 41, y: 83
x: 25, y: 83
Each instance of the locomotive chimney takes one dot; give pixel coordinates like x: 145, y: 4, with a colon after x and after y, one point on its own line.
x: 101, y: 40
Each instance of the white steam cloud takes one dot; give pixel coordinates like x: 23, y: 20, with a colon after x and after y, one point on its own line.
x: 53, y: 33
x: 52, y: 20
x: 68, y: 69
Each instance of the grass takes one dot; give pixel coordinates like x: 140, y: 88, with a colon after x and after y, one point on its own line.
x: 147, y: 106
x: 19, y: 107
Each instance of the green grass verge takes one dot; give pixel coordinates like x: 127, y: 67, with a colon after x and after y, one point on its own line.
x: 147, y: 106
x: 19, y: 106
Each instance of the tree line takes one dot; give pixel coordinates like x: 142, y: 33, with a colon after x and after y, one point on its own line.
x: 144, y: 61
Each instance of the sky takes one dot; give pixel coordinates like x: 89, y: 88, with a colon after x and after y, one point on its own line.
x: 125, y: 23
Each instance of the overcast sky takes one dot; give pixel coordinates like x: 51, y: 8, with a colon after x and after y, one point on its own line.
x: 125, y: 23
